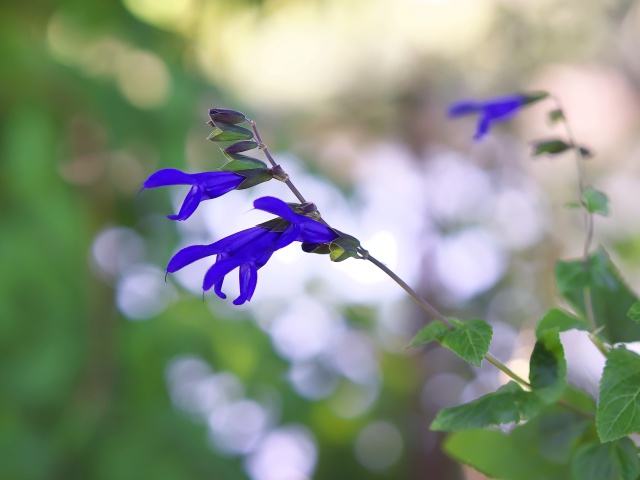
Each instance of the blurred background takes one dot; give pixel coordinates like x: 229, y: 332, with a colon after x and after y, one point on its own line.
x: 108, y: 372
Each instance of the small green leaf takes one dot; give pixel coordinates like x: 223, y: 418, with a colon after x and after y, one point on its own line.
x: 634, y: 312
x: 533, y: 97
x: 618, y: 412
x: 470, y: 340
x: 611, y: 298
x: 559, y: 320
x: 226, y: 132
x: 556, y: 115
x: 432, y: 332
x: 549, y: 147
x: 253, y: 178
x: 508, y: 404
x: 243, y: 162
x: 224, y: 115
x: 548, y: 367
x: 240, y: 147
x: 344, y: 247
x: 319, y: 248
x: 595, y: 201
x: 610, y: 461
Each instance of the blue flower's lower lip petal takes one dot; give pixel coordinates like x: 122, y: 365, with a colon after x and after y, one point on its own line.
x: 219, y: 269
x: 248, y: 281
x: 188, y: 255
x: 217, y: 288
x: 288, y: 236
x: 191, y: 202
x: 168, y: 176
x: 483, y: 127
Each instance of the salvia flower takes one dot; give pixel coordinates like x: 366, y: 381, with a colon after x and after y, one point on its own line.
x: 251, y: 249
x: 204, y: 186
x: 494, y: 110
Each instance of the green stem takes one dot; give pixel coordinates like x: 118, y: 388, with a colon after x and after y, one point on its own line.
x: 510, y: 373
x: 588, y: 216
x: 273, y: 163
x: 437, y: 315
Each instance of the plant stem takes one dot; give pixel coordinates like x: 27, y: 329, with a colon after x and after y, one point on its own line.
x: 437, y: 315
x: 510, y: 373
x: 412, y: 293
x: 588, y: 216
x: 273, y: 163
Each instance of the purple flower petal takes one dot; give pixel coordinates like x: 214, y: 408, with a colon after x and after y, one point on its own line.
x: 465, y: 107
x: 188, y: 255
x: 189, y: 205
x: 168, y: 176
x: 218, y: 270
x: 248, y: 281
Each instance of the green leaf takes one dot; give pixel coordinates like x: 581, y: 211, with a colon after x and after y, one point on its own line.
x: 618, y: 412
x: 344, y: 247
x: 549, y: 147
x: 432, y: 332
x: 243, y: 162
x: 539, y: 449
x: 595, y: 201
x: 556, y: 115
x: 508, y: 404
x: 634, y: 312
x: 470, y: 340
x: 559, y: 320
x: 533, y: 97
x: 225, y: 115
x: 241, y: 147
x: 548, y: 367
x: 253, y: 178
x: 611, y: 298
x: 610, y: 461
x: 226, y: 132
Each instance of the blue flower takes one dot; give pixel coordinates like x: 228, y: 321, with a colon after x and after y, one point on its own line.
x: 205, y: 186
x: 493, y: 110
x: 251, y: 249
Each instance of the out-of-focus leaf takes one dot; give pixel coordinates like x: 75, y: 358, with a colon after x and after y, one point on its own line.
x: 533, y: 97
x: 595, y: 201
x: 609, y: 461
x: 634, y: 312
x: 548, y: 367
x: 556, y: 115
x: 618, y: 412
x: 508, y: 404
x: 549, y: 147
x: 559, y: 320
x: 611, y: 298
x: 539, y: 449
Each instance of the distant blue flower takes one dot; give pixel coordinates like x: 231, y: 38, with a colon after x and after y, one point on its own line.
x: 251, y: 249
x: 493, y: 110
x: 205, y: 186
